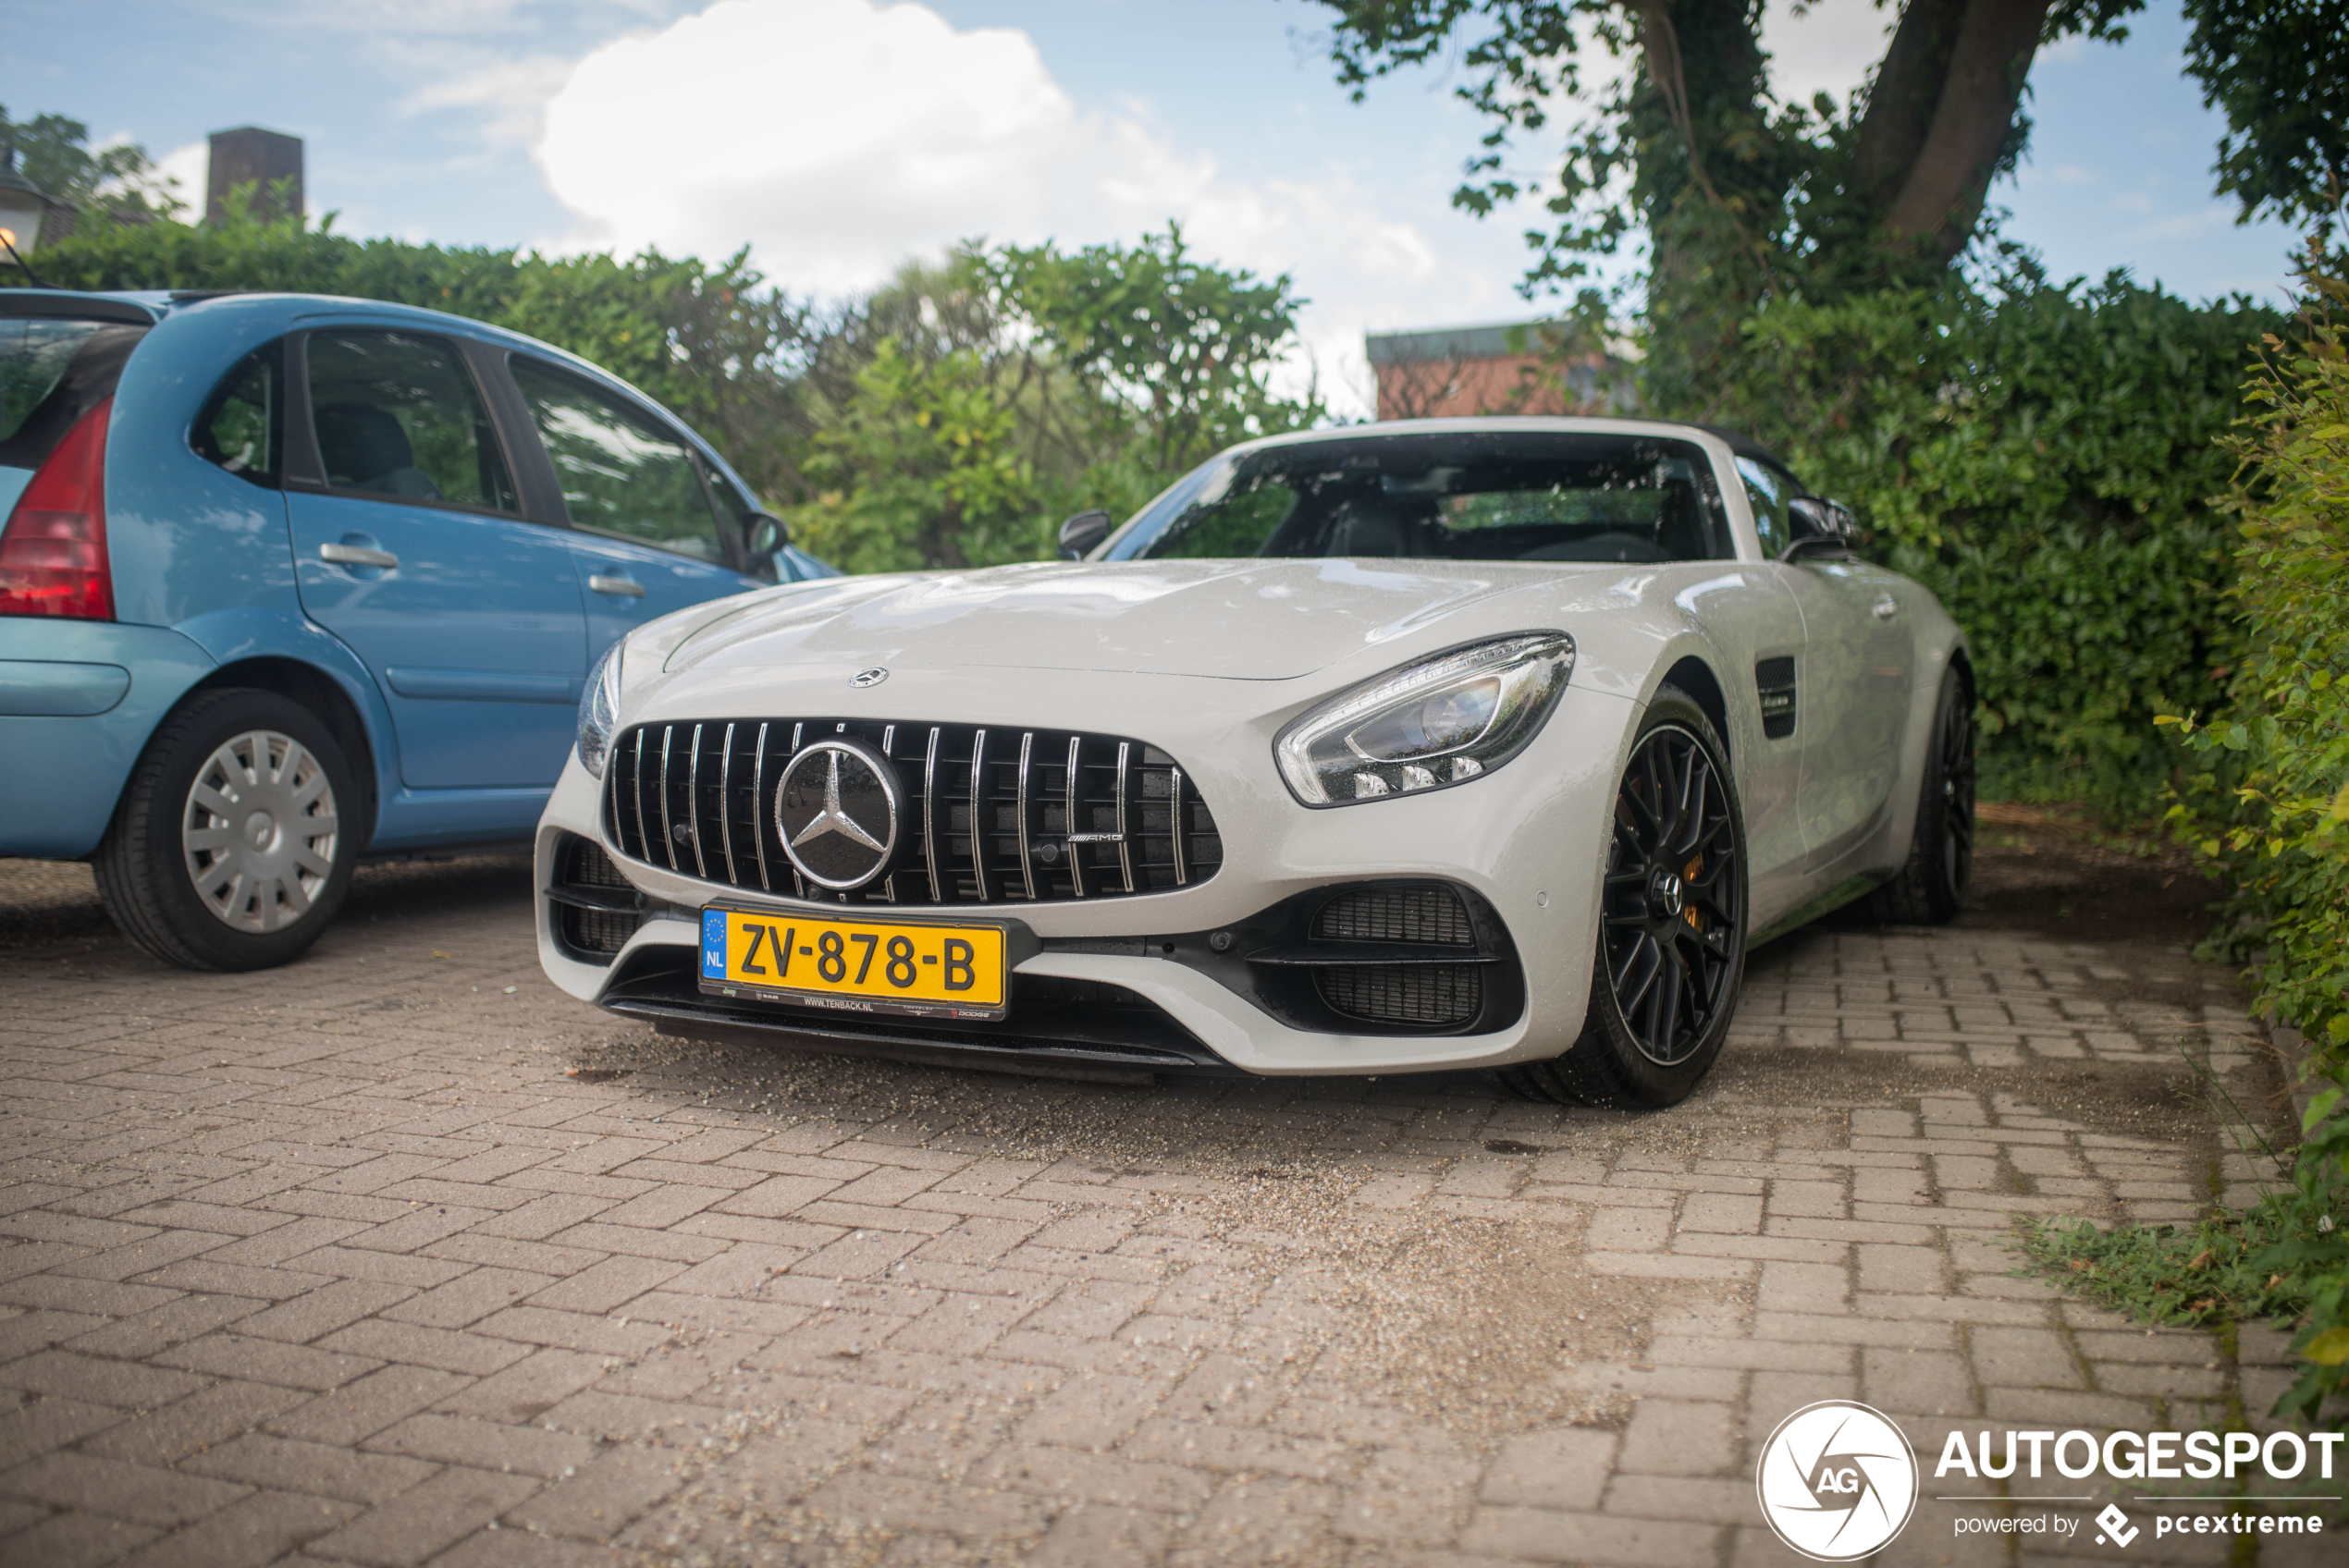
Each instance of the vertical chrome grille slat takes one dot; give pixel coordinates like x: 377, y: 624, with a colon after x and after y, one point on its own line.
x: 1026, y: 860
x: 726, y: 803
x: 668, y: 833
x: 1106, y: 790
x: 1124, y: 840
x: 978, y: 851
x: 644, y: 832
x: 1174, y: 801
x: 798, y: 883
x: 929, y: 812
x: 758, y: 808
x: 693, y: 804
x: 1072, y: 804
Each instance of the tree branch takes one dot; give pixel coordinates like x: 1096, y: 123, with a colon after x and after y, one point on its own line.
x: 1902, y: 97
x: 1942, y: 196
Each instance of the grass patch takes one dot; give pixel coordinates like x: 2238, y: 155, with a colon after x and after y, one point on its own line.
x: 2198, y: 1277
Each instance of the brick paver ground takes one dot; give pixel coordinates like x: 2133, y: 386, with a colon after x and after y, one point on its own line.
x: 398, y: 1257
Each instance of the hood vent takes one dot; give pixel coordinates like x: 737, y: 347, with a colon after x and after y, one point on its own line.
x: 987, y: 813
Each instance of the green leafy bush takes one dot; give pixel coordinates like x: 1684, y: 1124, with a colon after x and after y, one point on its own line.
x: 2042, y: 457
x: 2269, y: 802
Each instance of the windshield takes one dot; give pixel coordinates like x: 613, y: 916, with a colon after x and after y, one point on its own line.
x: 1517, y: 495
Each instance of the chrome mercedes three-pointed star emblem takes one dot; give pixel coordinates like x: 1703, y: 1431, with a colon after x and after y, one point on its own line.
x: 836, y: 812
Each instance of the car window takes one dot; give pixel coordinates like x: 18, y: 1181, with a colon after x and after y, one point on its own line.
x: 1471, y: 496
x: 1767, y: 490
x: 619, y: 472
x: 54, y: 370
x: 242, y: 426
x: 398, y: 414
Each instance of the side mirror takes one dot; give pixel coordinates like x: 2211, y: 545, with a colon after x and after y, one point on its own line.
x: 1820, y: 528
x: 1082, y: 533
x: 764, y: 533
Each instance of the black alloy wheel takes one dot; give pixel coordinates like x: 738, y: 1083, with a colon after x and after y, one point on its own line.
x: 1930, y: 886
x: 1672, y: 925
x: 1673, y: 913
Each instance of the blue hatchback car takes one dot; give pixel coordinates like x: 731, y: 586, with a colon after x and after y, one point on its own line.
x: 288, y: 580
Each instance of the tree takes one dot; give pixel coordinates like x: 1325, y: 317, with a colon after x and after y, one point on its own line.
x: 119, y: 180
x: 1743, y: 198
x: 963, y: 410
x: 2279, y: 69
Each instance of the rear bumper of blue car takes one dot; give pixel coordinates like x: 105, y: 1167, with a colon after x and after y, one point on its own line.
x: 78, y: 701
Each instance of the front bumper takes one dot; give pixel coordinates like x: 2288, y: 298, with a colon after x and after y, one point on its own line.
x: 1526, y: 841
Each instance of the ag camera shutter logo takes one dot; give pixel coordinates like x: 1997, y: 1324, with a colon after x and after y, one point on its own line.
x: 1837, y: 1481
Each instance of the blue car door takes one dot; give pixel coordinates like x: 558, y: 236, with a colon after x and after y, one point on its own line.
x: 645, y: 533
x: 415, y: 551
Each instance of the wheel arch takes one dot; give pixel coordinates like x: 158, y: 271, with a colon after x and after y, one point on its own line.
x: 323, y: 696
x: 1693, y: 677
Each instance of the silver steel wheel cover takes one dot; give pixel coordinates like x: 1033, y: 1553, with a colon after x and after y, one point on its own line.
x: 260, y: 831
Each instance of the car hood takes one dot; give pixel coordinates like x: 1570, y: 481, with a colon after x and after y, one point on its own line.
x: 1245, y: 619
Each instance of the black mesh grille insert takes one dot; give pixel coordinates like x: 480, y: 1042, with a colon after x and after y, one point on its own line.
x: 1409, y: 914
x: 1431, y: 994
x: 991, y: 815
x: 596, y: 930
x: 588, y: 865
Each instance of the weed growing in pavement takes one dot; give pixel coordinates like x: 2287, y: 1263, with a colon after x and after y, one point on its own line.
x: 2192, y: 1277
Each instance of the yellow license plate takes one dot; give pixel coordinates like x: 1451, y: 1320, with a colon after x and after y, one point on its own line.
x: 856, y: 965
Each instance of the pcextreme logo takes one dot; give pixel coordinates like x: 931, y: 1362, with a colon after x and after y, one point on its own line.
x: 1837, y: 1480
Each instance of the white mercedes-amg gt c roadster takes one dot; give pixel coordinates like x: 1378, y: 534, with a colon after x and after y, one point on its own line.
x: 1406, y: 747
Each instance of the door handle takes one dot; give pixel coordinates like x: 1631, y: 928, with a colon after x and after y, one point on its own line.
x: 356, y: 555
x: 619, y: 585
x: 1887, y: 607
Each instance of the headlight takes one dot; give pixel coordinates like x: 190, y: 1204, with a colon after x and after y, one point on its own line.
x: 1440, y: 721
x: 599, y: 710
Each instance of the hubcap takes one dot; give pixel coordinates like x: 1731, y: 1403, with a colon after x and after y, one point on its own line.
x: 260, y: 831
x: 1674, y: 910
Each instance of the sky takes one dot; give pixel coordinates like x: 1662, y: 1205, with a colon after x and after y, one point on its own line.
x: 838, y: 137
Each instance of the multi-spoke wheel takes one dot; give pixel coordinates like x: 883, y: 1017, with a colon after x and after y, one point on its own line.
x: 1672, y: 923
x: 231, y: 849
x: 1932, y: 882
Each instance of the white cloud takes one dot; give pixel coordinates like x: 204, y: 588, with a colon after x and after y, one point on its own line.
x: 1829, y: 48
x: 840, y: 137
x: 189, y: 165
x: 2071, y: 174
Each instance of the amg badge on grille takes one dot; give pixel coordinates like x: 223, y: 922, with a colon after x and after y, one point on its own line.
x: 836, y: 812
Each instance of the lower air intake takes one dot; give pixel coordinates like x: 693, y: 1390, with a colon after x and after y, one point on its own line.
x: 1423, y: 994
x: 1405, y: 914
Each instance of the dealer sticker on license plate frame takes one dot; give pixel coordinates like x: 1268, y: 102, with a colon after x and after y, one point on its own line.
x: 920, y: 968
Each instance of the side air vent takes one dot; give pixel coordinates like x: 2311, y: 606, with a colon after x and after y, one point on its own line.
x: 1389, y: 958
x: 596, y: 910
x: 1774, y: 682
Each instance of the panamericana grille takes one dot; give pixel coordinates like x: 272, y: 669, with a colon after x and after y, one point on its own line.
x: 991, y: 814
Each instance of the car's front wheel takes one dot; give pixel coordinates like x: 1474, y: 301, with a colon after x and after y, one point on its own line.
x: 229, y: 849
x: 1672, y: 926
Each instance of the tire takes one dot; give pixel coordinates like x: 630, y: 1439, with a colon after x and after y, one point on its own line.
x: 1672, y: 926
x: 226, y: 851
x: 1930, y: 886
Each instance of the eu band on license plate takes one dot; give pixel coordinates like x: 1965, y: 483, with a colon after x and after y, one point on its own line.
x: 895, y: 966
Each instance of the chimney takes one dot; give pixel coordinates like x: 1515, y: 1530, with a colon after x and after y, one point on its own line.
x: 249, y: 155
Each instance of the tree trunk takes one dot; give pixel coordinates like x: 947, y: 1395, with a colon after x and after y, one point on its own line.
x: 1941, y: 196
x: 1902, y: 98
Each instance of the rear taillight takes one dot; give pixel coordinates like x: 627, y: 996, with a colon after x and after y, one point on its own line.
x: 53, y: 554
